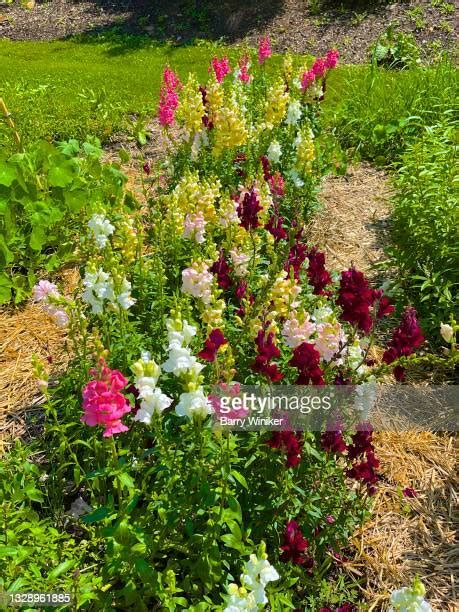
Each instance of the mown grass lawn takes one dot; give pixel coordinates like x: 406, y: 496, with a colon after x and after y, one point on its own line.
x: 64, y: 89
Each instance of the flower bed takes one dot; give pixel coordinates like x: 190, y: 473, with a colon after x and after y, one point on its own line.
x: 214, y: 284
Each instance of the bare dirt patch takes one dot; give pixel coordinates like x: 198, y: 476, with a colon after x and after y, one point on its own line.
x: 301, y: 26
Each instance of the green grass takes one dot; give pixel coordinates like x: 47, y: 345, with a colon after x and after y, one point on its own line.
x: 377, y: 113
x: 56, y: 90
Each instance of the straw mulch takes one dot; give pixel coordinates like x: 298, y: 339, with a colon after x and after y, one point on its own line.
x: 406, y: 536
x: 24, y: 332
x: 352, y: 225
x: 411, y: 536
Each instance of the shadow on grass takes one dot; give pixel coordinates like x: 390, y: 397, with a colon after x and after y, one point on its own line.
x: 178, y: 22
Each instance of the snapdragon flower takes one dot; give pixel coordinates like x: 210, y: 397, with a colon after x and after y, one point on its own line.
x: 294, y: 112
x: 410, y: 599
x: 152, y: 399
x: 274, y: 152
x: 240, y: 600
x: 330, y: 337
x: 257, y: 574
x: 240, y: 262
x: 295, y: 333
x: 101, y: 229
x: 194, y: 403
x: 41, y: 293
x: 197, y: 281
x: 99, y: 287
x: 446, y: 332
x: 195, y: 226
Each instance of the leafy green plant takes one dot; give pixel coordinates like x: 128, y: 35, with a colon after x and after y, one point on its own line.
x: 46, y: 194
x: 426, y: 223
x: 395, y: 50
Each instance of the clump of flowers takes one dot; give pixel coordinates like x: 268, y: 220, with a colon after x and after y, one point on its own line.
x: 297, y: 329
x: 230, y: 129
x: 103, y: 402
x: 47, y: 294
x: 276, y: 103
x: 318, y: 276
x: 152, y: 399
x: 410, y: 599
x: 288, y: 442
x: 305, y: 152
x: 294, y: 545
x: 405, y: 339
x: 195, y: 226
x: 319, y: 69
x: 243, y: 72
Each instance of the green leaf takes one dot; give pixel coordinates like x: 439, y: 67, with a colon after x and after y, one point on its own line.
x: 37, y: 238
x: 8, y: 551
x: 231, y: 541
x: 63, y: 567
x: 7, y: 173
x: 97, y: 515
x: 60, y: 176
x: 240, y: 478
x: 126, y: 481
x: 5, y: 288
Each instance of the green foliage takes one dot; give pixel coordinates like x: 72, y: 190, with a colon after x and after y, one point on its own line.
x: 46, y: 195
x: 37, y: 552
x: 426, y: 223
x: 376, y: 112
x: 395, y: 50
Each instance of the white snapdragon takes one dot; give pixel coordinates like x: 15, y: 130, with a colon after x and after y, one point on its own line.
x: 240, y: 600
x: 293, y: 113
x: 410, y: 599
x: 194, y: 403
x: 446, y: 332
x: 274, y: 152
x: 101, y: 229
x: 124, y: 299
x: 240, y: 262
x: 295, y: 177
x: 182, y: 363
x: 99, y: 288
x: 258, y: 572
x: 152, y: 399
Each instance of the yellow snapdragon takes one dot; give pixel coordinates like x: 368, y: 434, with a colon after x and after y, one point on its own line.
x: 229, y: 128
x: 191, y: 108
x: 305, y: 151
x: 276, y: 103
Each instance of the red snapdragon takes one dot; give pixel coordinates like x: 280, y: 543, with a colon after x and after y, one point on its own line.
x: 294, y: 544
x: 405, y: 339
x: 307, y: 359
x: 215, y: 340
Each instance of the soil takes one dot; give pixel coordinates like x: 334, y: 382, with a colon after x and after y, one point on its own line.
x: 303, y: 26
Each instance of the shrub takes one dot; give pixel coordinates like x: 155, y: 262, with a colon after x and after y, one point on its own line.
x: 46, y: 196
x: 426, y: 223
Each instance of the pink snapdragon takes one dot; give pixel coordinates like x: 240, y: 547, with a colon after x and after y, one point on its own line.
x: 243, y: 72
x: 41, y: 293
x: 319, y: 68
x: 195, y: 226
x: 103, y: 404
x: 221, y: 68
x: 331, y: 59
x: 197, y: 281
x: 171, y: 80
x: 168, y: 98
x: 43, y: 290
x: 295, y: 333
x: 264, y: 49
x: 329, y: 339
